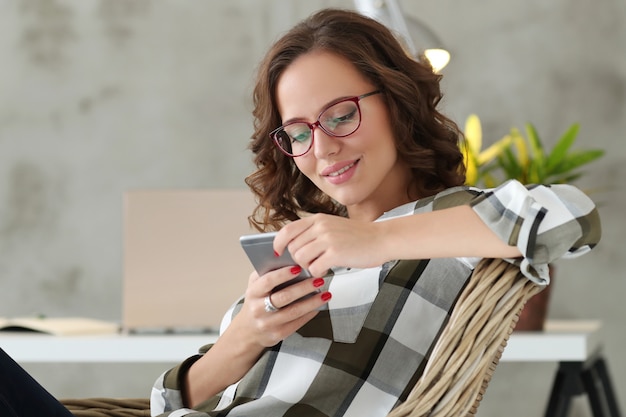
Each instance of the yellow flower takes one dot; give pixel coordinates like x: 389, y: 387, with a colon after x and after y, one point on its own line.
x: 473, y: 142
x: 475, y: 160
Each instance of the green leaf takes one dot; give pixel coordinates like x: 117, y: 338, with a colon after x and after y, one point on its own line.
x: 560, y: 149
x: 534, y: 175
x: 536, y: 171
x: 568, y: 178
x: 577, y: 159
x: 510, y: 164
x: 534, y: 140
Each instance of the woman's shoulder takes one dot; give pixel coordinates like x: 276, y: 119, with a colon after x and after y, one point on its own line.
x: 450, y: 197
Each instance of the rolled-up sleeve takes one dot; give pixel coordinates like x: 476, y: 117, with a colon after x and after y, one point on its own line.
x: 168, y: 391
x: 544, y: 222
x: 166, y: 398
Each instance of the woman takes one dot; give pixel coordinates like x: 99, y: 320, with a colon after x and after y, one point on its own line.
x: 361, y: 175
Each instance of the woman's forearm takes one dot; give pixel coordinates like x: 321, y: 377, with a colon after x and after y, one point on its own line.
x: 451, y: 232
x: 224, y: 364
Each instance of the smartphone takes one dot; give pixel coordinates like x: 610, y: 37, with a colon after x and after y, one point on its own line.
x: 260, y: 250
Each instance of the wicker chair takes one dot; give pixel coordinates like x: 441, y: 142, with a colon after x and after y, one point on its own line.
x: 108, y: 407
x: 469, y: 349
x: 462, y: 361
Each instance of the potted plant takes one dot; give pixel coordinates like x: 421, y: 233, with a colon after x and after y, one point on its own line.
x: 525, y: 159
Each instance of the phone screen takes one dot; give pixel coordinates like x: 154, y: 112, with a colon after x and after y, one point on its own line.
x: 260, y: 251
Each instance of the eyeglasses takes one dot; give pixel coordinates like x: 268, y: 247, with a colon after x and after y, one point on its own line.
x: 339, y: 119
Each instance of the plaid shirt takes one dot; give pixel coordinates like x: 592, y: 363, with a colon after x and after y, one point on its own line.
x: 362, y: 354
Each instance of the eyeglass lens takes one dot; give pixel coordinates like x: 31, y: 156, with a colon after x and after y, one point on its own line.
x: 339, y: 120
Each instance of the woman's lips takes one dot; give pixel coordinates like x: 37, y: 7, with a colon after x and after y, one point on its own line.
x: 338, y: 173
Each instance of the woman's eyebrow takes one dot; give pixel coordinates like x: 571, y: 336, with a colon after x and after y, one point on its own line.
x: 322, y: 110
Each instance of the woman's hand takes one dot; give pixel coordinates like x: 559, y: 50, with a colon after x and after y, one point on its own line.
x: 323, y: 241
x: 254, y: 329
x: 296, y: 304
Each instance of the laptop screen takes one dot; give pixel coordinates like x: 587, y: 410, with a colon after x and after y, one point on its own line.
x: 183, y: 263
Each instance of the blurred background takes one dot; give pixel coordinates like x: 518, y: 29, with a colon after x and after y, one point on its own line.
x: 98, y: 97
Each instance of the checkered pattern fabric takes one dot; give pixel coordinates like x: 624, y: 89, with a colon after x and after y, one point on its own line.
x: 362, y: 355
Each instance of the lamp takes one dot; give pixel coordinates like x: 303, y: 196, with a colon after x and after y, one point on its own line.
x: 416, y: 37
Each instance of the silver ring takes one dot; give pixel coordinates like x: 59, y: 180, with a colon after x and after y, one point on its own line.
x: 269, y: 307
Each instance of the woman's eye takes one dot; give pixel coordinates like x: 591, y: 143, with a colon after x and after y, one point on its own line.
x: 333, y: 122
x: 347, y: 117
x: 300, y: 137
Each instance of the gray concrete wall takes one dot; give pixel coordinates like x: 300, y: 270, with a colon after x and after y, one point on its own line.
x: 102, y: 96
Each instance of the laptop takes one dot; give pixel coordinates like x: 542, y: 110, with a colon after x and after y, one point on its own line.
x: 183, y: 263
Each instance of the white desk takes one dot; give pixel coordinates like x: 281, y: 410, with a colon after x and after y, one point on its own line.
x: 575, y: 345
x: 33, y: 347
x: 562, y: 341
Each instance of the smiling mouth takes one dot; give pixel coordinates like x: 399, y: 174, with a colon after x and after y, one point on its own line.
x: 342, y: 170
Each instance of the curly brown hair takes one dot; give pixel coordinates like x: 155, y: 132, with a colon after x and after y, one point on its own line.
x: 426, y: 140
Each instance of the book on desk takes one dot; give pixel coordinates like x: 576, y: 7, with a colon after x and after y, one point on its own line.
x: 59, y: 326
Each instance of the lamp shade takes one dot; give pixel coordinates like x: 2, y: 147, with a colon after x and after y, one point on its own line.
x: 417, y: 38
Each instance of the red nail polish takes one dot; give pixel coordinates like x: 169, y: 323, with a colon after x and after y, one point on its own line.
x: 296, y: 270
x: 318, y: 282
x: 326, y: 296
x: 276, y: 254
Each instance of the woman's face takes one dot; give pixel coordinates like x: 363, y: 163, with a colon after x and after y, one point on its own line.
x: 361, y: 171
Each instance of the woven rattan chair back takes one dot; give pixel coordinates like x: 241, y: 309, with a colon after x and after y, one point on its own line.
x: 467, y: 352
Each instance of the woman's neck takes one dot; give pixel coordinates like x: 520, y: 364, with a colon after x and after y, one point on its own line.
x: 370, y: 211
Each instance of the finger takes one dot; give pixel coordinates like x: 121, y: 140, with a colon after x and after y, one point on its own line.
x: 304, y: 249
x: 276, y: 278
x: 269, y: 306
x: 277, y: 326
x: 290, y: 232
x: 304, y: 306
x: 322, y: 263
x: 253, y: 277
x: 296, y: 291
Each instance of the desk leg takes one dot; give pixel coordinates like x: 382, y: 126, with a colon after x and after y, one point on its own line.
x: 600, y: 390
x: 566, y: 385
x: 576, y: 378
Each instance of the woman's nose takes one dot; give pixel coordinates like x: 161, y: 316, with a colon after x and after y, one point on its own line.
x: 324, y: 144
